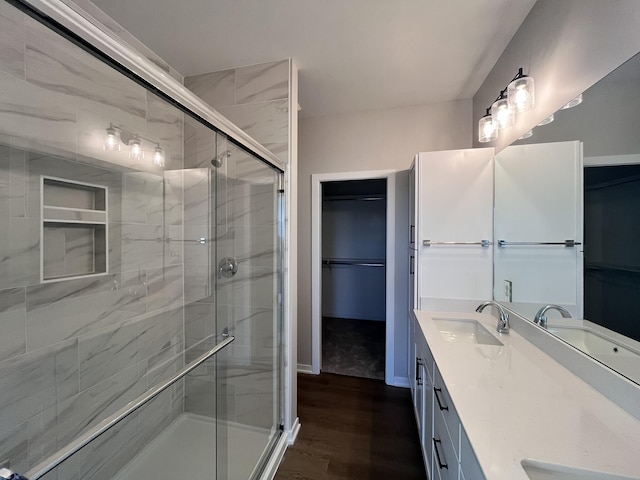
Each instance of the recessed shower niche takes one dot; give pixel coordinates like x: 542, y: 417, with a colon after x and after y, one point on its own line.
x: 74, y: 237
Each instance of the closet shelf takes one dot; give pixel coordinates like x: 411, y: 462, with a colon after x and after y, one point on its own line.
x: 612, y: 268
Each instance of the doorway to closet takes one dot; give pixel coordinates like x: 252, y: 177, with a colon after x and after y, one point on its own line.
x: 354, y: 222
x: 353, y: 268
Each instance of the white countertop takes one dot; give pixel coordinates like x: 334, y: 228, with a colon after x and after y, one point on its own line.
x: 515, y: 402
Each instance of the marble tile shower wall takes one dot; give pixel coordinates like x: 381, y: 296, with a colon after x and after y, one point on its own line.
x: 75, y: 351
x: 255, y: 98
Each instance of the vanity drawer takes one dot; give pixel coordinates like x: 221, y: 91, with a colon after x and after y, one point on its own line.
x: 445, y: 460
x: 443, y: 404
x: 468, y: 461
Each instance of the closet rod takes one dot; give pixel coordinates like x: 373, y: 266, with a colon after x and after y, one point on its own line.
x: 359, y: 263
x: 361, y: 198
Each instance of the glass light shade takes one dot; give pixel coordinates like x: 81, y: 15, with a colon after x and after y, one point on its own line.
x: 574, y: 102
x: 547, y: 120
x: 487, y: 131
x: 111, y: 141
x: 525, y: 135
x: 521, y: 94
x: 158, y: 157
x: 502, y: 113
x: 136, y: 148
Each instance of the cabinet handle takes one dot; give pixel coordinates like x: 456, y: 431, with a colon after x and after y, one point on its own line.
x: 418, y: 364
x: 412, y: 265
x: 435, y: 391
x: 435, y: 447
x: 411, y: 229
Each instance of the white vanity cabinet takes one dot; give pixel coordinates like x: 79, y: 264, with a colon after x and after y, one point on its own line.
x: 445, y: 446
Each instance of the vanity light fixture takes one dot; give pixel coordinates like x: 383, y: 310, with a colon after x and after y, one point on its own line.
x: 547, y: 120
x: 502, y: 111
x: 573, y: 103
x: 117, y: 135
x: 158, y: 157
x: 487, y: 130
x: 517, y: 97
x: 111, y: 141
x: 136, y: 148
x: 521, y: 93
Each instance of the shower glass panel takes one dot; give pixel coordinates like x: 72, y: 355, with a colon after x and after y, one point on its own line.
x: 248, y: 307
x: 116, y: 209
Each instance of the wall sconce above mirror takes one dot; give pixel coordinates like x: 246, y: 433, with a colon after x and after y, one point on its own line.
x: 578, y: 178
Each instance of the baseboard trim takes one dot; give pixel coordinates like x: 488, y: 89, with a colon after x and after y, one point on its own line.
x: 271, y: 468
x: 304, y: 368
x: 401, y: 382
x: 293, y: 433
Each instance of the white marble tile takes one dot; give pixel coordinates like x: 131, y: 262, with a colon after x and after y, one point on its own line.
x: 200, y: 396
x: 21, y: 262
x: 18, y: 183
x: 254, y: 245
x: 35, y: 119
x: 104, y: 354
x: 266, y: 122
x: 198, y: 283
x: 165, y: 287
x: 280, y: 150
x: 13, y: 315
x: 199, y: 144
x: 12, y: 41
x: 42, y: 435
x: 251, y: 286
x: 197, y: 187
x: 142, y: 198
x: 106, y: 455
x: 51, y: 323
x: 85, y: 410
x: 38, y: 380
x: 173, y: 197
x: 142, y: 246
x: 263, y: 82
x: 160, y: 332
x: 14, y: 446
x: 57, y: 65
x: 165, y: 126
x: 215, y: 88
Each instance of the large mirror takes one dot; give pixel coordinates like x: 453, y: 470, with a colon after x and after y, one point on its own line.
x: 567, y: 223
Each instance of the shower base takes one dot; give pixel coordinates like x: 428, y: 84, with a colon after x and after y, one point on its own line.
x: 187, y: 449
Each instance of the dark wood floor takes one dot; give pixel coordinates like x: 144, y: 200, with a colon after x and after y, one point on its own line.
x: 353, y: 428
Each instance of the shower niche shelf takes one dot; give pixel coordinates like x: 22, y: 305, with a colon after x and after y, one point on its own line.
x: 74, y: 229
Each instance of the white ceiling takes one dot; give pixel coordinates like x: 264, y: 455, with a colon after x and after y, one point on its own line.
x: 353, y: 55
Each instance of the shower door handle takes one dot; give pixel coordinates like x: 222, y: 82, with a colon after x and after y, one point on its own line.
x: 228, y: 267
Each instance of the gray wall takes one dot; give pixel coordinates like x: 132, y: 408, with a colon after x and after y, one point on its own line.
x: 566, y: 46
x: 374, y: 140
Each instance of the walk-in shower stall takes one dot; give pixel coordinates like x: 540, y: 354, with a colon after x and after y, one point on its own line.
x: 140, y: 274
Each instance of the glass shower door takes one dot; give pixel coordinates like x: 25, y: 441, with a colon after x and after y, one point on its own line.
x: 248, y: 291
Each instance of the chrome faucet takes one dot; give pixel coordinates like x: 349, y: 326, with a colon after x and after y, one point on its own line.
x: 541, y: 317
x: 503, y: 319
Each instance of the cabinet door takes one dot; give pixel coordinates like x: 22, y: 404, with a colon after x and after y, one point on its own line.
x: 427, y: 421
x: 412, y: 207
x: 455, y: 204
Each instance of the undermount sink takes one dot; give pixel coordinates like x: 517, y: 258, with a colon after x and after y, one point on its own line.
x: 537, y: 470
x: 465, y: 330
x: 619, y: 357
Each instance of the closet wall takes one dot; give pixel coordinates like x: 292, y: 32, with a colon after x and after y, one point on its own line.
x: 354, y: 249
